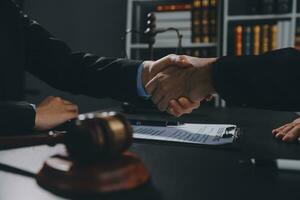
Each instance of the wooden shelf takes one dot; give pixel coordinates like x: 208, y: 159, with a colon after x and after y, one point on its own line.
x: 174, y: 45
x: 259, y: 17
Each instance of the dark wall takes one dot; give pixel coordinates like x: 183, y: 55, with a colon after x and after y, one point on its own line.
x: 94, y: 26
x: 87, y: 25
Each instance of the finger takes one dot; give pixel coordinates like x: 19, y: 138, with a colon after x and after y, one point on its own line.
x: 68, y: 102
x: 164, y: 103
x: 182, y: 61
x: 277, y: 130
x: 296, y: 121
x: 70, y: 115
x: 177, y: 110
x: 72, y: 108
x: 292, y: 135
x: 157, y: 96
x: 280, y: 135
x: 288, y: 128
x: 163, y: 63
x: 187, y: 104
x: 151, y: 86
x: 184, y: 103
x: 173, y: 112
x: 57, y: 98
x: 166, y: 62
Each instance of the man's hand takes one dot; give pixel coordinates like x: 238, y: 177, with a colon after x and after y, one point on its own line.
x: 289, y: 132
x: 151, y: 69
x: 189, y: 77
x: 182, y: 106
x: 54, y: 111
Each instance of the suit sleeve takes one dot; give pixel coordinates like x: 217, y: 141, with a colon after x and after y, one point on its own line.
x: 16, y: 117
x: 52, y: 61
x: 269, y: 81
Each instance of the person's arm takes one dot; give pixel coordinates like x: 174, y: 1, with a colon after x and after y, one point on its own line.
x: 16, y: 117
x: 268, y: 81
x: 23, y: 118
x: 52, y: 61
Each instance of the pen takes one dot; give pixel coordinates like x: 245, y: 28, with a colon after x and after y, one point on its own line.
x: 281, y: 164
x: 153, y: 123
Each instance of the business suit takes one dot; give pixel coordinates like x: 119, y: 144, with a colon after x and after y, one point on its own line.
x: 26, y: 46
x: 270, y: 81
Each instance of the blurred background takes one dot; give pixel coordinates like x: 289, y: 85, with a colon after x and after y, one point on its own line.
x: 86, y: 25
x: 207, y: 28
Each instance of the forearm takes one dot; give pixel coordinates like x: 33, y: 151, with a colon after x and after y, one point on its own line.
x: 16, y: 117
x: 267, y: 81
x: 52, y: 61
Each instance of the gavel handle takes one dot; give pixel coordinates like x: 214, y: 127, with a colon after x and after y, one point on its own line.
x: 13, y: 142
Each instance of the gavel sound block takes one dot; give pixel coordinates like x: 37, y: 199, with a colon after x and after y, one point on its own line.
x: 96, y: 162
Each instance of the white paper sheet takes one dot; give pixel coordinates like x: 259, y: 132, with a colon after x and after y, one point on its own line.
x: 209, y: 134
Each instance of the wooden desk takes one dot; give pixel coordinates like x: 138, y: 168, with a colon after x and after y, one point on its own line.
x: 184, y: 171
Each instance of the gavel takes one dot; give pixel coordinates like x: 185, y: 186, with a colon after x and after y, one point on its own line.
x: 91, y: 136
x: 96, y: 162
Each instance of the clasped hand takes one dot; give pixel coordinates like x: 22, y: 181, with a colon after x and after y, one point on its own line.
x: 178, y: 84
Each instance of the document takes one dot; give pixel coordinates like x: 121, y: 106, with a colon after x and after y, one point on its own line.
x: 208, y: 134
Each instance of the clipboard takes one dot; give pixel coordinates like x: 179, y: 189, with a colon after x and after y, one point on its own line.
x: 202, y: 134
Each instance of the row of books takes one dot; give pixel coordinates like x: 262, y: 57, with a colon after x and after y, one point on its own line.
x: 200, y: 52
x: 204, y: 17
x: 244, y: 7
x: 254, y: 39
x: 196, y: 21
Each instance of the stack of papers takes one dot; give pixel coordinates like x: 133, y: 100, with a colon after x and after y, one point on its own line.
x: 208, y: 134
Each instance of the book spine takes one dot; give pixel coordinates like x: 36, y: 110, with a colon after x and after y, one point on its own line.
x: 286, y: 34
x: 205, y: 21
x: 196, y: 21
x: 213, y: 20
x: 265, y: 38
x: 239, y: 40
x: 280, y: 35
x: 274, y: 37
x: 247, y: 41
x: 257, y: 32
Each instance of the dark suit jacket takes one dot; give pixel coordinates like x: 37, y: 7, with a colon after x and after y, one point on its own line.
x: 270, y: 81
x: 26, y: 46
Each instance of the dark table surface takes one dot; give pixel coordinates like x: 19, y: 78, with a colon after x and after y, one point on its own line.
x: 180, y: 171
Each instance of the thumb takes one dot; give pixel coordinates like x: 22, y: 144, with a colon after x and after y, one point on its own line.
x: 171, y: 60
x: 183, y: 61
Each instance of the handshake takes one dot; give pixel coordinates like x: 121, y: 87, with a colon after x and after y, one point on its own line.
x: 178, y: 84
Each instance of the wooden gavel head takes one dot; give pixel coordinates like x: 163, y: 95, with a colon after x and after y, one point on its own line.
x: 95, y: 163
x: 98, y: 136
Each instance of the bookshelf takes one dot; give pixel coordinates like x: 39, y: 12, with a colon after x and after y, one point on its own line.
x: 227, y: 20
x: 133, y: 19
x: 291, y: 16
x: 136, y: 49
